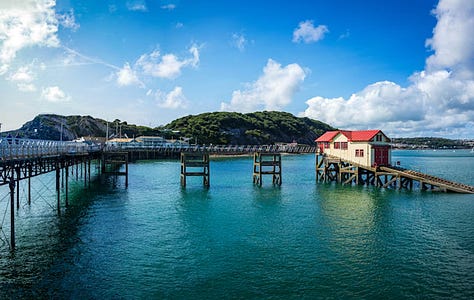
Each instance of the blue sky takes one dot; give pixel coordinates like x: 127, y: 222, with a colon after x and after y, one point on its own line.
x: 406, y: 67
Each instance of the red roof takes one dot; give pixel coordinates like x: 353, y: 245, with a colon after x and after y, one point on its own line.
x: 327, y: 136
x: 363, y: 135
x: 353, y: 136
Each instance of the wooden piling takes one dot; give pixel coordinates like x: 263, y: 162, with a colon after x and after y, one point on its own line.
x: 267, y: 164
x: 330, y: 168
x: 30, y: 171
x: 18, y: 176
x: 67, y: 186
x: 195, y: 164
x: 58, y: 187
x: 111, y: 163
x: 12, y: 212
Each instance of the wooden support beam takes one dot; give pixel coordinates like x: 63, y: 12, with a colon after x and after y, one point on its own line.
x: 389, y: 182
x: 58, y: 187
x: 267, y: 164
x: 18, y: 176
x: 199, y: 166
x: 67, y: 185
x: 350, y: 179
x: 12, y: 212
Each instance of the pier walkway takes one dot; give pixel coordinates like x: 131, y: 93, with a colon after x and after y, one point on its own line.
x: 429, y: 180
x: 330, y: 168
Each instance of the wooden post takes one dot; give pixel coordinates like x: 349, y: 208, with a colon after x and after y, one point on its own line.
x: 85, y: 174
x: 260, y: 163
x: 67, y: 185
x: 89, y: 172
x: 62, y: 177
x: 126, y: 171
x: 195, y: 161
x: 58, y: 187
x: 18, y: 188
x: 12, y: 212
x: 29, y: 183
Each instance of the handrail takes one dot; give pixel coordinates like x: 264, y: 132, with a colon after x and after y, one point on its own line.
x: 216, y: 148
x: 16, y: 148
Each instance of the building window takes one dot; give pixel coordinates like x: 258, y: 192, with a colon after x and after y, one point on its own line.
x: 326, y: 145
x: 344, y: 145
x: 337, y: 145
x: 359, y: 153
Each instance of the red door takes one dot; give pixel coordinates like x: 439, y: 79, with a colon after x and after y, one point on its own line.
x: 381, y: 156
x: 321, y: 147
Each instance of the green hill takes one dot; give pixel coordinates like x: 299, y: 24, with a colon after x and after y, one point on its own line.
x: 50, y: 126
x: 264, y: 127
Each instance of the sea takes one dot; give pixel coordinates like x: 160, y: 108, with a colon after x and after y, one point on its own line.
x: 301, y: 240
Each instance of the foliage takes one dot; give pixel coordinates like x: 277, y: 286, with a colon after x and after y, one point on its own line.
x: 263, y: 127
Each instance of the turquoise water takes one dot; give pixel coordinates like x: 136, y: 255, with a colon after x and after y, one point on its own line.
x: 304, y: 239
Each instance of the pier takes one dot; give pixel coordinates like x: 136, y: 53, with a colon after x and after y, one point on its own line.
x: 335, y: 169
x: 195, y: 164
x: 266, y: 164
x: 22, y: 159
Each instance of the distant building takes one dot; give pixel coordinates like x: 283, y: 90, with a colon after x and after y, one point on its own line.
x: 119, y: 142
x: 366, y: 147
x: 90, y: 140
x: 151, y: 141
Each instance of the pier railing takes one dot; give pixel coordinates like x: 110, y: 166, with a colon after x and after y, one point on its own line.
x: 218, y: 149
x: 15, y: 148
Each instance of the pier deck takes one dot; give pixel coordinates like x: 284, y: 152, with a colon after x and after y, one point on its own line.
x: 329, y: 168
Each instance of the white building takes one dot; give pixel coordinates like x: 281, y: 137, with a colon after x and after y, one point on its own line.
x: 368, y: 148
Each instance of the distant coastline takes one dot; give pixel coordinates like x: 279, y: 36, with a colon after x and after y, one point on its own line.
x: 420, y: 143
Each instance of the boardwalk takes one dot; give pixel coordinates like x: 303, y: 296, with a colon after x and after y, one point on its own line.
x: 330, y: 168
x: 429, y: 180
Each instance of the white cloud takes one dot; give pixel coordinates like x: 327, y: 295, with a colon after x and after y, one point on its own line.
x: 166, y: 66
x: 173, y: 100
x: 239, y: 41
x: 54, y: 94
x: 271, y: 91
x: 23, y: 74
x: 68, y: 20
x: 137, y: 5
x: 179, y: 25
x: 307, y: 33
x: 127, y: 76
x: 438, y: 99
x: 452, y: 37
x: 26, y: 24
x: 23, y: 78
x: 169, y: 6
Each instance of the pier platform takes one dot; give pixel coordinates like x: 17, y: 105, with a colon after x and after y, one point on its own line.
x: 329, y: 168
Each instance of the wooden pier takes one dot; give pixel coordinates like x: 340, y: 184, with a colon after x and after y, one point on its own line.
x: 329, y: 168
x: 266, y: 164
x: 195, y: 164
x: 112, y: 162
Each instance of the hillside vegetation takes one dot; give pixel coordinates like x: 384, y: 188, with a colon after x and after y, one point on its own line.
x: 264, y: 127
x: 50, y: 126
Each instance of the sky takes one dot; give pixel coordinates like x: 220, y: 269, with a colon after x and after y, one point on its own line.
x: 403, y: 66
